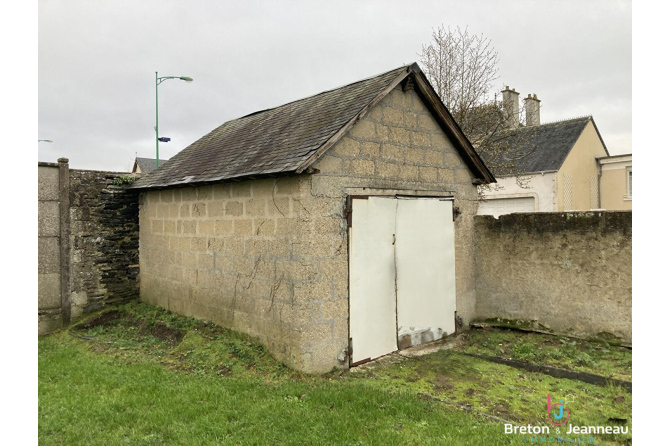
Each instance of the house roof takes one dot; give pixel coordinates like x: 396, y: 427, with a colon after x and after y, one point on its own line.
x: 540, y: 148
x: 146, y: 165
x: 290, y: 138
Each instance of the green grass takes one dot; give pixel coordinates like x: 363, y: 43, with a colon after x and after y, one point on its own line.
x: 595, y: 357
x: 147, y: 377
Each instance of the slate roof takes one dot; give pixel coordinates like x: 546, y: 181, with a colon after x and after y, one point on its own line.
x: 146, y: 165
x: 540, y: 148
x: 288, y: 138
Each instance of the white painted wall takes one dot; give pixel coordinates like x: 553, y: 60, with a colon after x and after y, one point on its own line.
x: 542, y: 187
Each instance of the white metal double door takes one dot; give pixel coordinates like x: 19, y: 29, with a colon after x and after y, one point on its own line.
x: 401, y: 274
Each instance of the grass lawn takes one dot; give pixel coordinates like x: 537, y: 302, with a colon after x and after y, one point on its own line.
x: 142, y: 376
x: 593, y: 357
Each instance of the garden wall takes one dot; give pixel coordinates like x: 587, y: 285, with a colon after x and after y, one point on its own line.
x: 570, y: 272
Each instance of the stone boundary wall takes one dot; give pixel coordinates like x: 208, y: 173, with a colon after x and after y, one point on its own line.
x: 104, y: 240
x: 88, y: 242
x: 570, y: 272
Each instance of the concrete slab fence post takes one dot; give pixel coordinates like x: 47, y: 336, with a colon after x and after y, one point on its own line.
x: 64, y: 189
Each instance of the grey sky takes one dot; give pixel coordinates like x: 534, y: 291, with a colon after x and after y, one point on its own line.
x: 97, y: 62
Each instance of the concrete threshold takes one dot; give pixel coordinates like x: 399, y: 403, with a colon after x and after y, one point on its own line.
x: 408, y: 353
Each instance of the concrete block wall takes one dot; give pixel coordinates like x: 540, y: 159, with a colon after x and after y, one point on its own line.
x: 230, y: 253
x: 571, y: 272
x: 396, y: 148
x: 49, y: 250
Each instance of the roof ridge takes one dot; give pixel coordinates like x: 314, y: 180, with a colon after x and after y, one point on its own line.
x: 566, y: 119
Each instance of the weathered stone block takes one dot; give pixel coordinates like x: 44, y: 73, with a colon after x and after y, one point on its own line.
x: 163, y: 211
x: 393, y: 152
x: 243, y: 227
x: 203, y: 193
x: 363, y: 129
x: 335, y: 309
x: 234, y: 208
x: 255, y: 207
x: 388, y: 170
x: 166, y: 196
x: 47, y: 183
x: 347, y: 147
x: 427, y: 173
x: 401, y: 99
x: 206, y: 227
x: 199, y: 210
x: 48, y: 218
x: 393, y: 116
x: 223, y: 227
x: 409, y: 172
x: 241, y: 190
x: 399, y: 135
x: 288, y: 186
x: 382, y: 132
x: 427, y: 122
x: 189, y: 226
x: 370, y: 149
x: 330, y: 164
x: 446, y: 175
x: 48, y: 255
x: 363, y: 167
x: 220, y: 191
x: 434, y: 158
x: 421, y: 139
x: 264, y: 226
x: 215, y: 209
x: 415, y: 155
x: 48, y: 291
x: 199, y: 244
x: 263, y: 189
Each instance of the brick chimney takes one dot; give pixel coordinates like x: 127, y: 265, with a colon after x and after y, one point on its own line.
x: 532, y: 110
x: 510, y: 104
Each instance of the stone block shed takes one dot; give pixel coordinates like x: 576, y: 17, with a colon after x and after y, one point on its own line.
x: 335, y: 229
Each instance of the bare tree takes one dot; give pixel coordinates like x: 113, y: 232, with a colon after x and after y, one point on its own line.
x: 463, y: 69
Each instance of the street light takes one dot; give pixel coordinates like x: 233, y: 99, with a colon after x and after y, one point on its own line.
x: 44, y: 140
x: 159, y: 80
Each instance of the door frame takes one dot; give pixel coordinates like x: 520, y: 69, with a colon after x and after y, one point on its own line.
x: 347, y: 214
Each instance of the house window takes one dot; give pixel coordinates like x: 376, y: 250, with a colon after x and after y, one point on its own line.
x: 629, y: 182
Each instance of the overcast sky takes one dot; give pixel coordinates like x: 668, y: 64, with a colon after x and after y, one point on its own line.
x: 97, y: 61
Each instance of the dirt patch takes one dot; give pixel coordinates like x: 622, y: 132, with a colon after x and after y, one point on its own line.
x: 442, y: 383
x: 173, y: 336
x: 224, y: 371
x: 106, y: 319
x: 412, y: 378
x: 502, y: 410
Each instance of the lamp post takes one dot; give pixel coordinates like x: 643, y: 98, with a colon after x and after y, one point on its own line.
x: 159, y: 80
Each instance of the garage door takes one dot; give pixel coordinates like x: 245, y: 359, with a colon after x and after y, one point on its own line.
x: 501, y: 206
x: 402, y: 274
